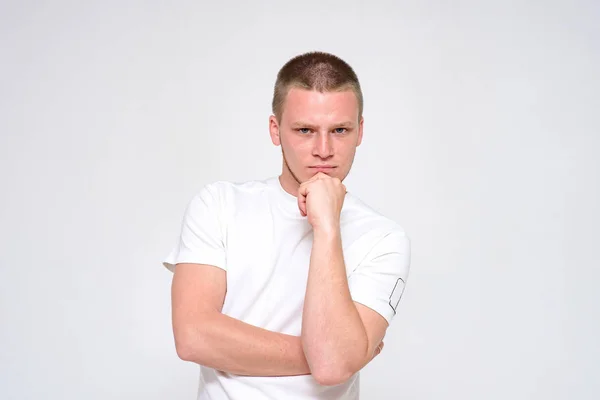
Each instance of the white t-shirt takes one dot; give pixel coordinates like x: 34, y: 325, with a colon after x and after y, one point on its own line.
x: 255, y: 232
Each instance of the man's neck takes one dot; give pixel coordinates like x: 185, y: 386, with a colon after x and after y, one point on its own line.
x: 288, y: 182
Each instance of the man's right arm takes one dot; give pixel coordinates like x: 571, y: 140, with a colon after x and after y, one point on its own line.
x: 207, y: 337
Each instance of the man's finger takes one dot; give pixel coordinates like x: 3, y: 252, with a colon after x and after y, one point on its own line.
x: 302, y: 202
x: 378, y: 349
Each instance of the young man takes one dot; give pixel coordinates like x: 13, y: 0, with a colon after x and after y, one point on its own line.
x: 284, y: 288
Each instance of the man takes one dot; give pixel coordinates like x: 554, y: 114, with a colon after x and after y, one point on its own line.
x: 284, y: 288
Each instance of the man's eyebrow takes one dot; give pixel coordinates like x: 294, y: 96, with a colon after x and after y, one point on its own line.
x: 301, y: 124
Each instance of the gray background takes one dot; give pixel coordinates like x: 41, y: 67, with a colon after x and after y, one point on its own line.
x: 481, y: 140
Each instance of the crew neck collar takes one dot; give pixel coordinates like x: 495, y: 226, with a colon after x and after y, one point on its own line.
x: 287, y: 202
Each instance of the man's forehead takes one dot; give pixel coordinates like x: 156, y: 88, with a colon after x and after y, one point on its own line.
x: 312, y: 106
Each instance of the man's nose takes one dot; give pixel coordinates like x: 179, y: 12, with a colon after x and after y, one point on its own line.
x: 323, y: 146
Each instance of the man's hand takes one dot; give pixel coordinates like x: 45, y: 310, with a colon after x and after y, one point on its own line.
x: 377, y: 351
x: 321, y: 199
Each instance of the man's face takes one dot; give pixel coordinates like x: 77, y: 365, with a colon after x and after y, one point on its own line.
x: 318, y: 132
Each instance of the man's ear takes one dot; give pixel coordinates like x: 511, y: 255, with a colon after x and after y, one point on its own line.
x: 360, y: 131
x: 274, y: 130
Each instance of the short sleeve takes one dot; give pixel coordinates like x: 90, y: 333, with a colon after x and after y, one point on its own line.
x: 378, y: 282
x: 201, y: 238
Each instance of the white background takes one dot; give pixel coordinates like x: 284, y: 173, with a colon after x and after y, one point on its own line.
x: 482, y: 134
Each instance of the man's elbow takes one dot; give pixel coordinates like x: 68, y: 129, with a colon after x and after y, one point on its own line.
x: 190, y: 346
x: 330, y: 368
x: 194, y: 341
x: 184, y: 347
x: 331, y: 376
x: 332, y: 371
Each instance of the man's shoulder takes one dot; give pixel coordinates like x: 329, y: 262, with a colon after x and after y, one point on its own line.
x: 369, y: 234
x: 228, y: 192
x: 239, y: 187
x: 360, y: 213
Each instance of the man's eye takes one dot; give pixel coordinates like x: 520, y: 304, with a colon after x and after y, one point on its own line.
x: 340, y: 130
x: 304, y: 130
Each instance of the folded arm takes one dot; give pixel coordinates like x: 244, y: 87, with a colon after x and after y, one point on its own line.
x: 207, y: 337
x: 339, y: 335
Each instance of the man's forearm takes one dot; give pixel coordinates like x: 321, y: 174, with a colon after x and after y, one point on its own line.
x: 333, y: 335
x: 230, y: 345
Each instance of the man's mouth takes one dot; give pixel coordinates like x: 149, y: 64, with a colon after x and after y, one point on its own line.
x: 322, y: 168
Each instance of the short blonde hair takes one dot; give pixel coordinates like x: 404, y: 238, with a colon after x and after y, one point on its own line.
x: 318, y: 71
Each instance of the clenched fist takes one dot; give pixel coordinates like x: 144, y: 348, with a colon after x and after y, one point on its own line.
x: 321, y: 199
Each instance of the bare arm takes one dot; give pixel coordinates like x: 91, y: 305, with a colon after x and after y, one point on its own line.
x: 207, y: 337
x: 336, y: 340
x: 339, y: 336
x: 334, y: 337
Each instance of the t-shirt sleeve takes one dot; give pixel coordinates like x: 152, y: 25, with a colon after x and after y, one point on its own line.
x: 201, y: 238
x: 378, y: 282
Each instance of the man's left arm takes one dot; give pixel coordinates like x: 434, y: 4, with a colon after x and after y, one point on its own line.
x: 345, y: 319
x: 338, y: 336
x: 335, y: 339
